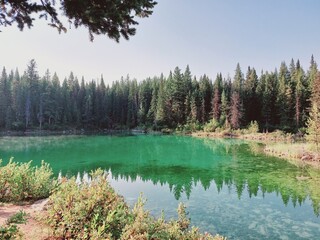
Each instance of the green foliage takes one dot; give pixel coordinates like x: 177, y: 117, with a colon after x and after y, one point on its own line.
x: 21, y: 181
x: 211, y: 126
x: 144, y: 226
x: 192, y: 126
x: 111, y: 18
x: 253, y: 127
x: 313, y: 126
x: 94, y: 211
x: 10, y: 230
x: 18, y: 218
x: 87, y: 211
x: 180, y: 100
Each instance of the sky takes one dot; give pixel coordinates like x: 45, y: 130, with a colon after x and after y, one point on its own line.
x: 211, y: 36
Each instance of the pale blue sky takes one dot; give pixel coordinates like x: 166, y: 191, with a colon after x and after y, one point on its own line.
x: 211, y: 36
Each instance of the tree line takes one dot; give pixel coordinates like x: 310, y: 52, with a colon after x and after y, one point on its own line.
x: 280, y: 99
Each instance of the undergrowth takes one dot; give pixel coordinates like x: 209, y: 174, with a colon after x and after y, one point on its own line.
x: 86, y: 209
x: 94, y: 211
x: 11, y: 230
x: 21, y: 181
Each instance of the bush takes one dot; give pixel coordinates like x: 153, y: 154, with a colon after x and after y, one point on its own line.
x: 211, y: 126
x: 94, y: 211
x: 87, y: 211
x: 10, y: 230
x: 252, y: 128
x: 144, y: 226
x: 189, y: 127
x: 20, y: 181
x: 18, y: 126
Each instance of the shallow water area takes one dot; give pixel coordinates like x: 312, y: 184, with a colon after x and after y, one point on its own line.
x: 229, y: 186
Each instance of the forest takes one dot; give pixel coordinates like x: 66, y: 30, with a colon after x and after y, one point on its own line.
x: 276, y: 100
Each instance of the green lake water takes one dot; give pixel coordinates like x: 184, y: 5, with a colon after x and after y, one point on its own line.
x: 229, y: 186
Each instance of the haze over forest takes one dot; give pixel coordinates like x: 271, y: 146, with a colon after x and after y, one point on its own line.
x: 278, y: 99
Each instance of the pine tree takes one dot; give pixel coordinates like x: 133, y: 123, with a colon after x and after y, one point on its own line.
x: 216, y: 108
x: 235, y: 110
x: 216, y: 102
x: 3, y: 97
x: 179, y: 96
x: 237, y: 84
x: 284, y: 97
x: 269, y: 96
x: 315, y: 97
x: 195, y: 103
x: 153, y: 104
x: 311, y: 75
x: 313, y: 125
x: 160, y: 118
x: 250, y: 96
x: 132, y: 105
x: 32, y: 94
x: 205, y: 90
x: 224, y: 108
x: 300, y: 95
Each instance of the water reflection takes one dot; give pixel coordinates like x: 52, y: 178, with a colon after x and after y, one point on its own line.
x: 179, y: 162
x: 233, y: 164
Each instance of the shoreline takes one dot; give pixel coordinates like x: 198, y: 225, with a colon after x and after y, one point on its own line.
x: 285, y: 147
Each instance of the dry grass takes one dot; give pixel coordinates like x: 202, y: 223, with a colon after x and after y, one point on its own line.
x: 300, y: 153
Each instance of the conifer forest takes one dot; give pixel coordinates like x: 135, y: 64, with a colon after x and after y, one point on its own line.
x: 280, y: 99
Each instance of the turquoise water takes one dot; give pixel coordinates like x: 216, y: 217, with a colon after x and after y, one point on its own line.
x: 229, y: 186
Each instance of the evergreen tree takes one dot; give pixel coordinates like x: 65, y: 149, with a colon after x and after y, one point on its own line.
x: 18, y: 102
x: 3, y: 97
x: 311, y: 78
x: 283, y: 100
x: 300, y: 95
x: 112, y: 18
x: 224, y: 108
x: 235, y: 110
x: 160, y: 118
x: 250, y: 96
x: 313, y: 125
x: 284, y: 97
x: 145, y: 96
x: 179, y: 96
x: 33, y: 95
x: 216, y: 102
x: 269, y: 94
x: 205, y: 90
x: 195, y: 103
x: 132, y: 105
x: 237, y: 84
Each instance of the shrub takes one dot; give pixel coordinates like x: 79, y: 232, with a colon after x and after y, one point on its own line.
x: 18, y: 218
x: 252, y: 128
x: 144, y: 226
x: 18, y: 126
x: 87, y: 211
x: 20, y: 181
x: 94, y: 211
x: 211, y: 126
x: 10, y: 230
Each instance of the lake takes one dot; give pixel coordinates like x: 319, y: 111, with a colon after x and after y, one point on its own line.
x: 229, y: 186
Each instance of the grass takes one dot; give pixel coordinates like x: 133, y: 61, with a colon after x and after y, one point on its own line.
x: 300, y: 153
